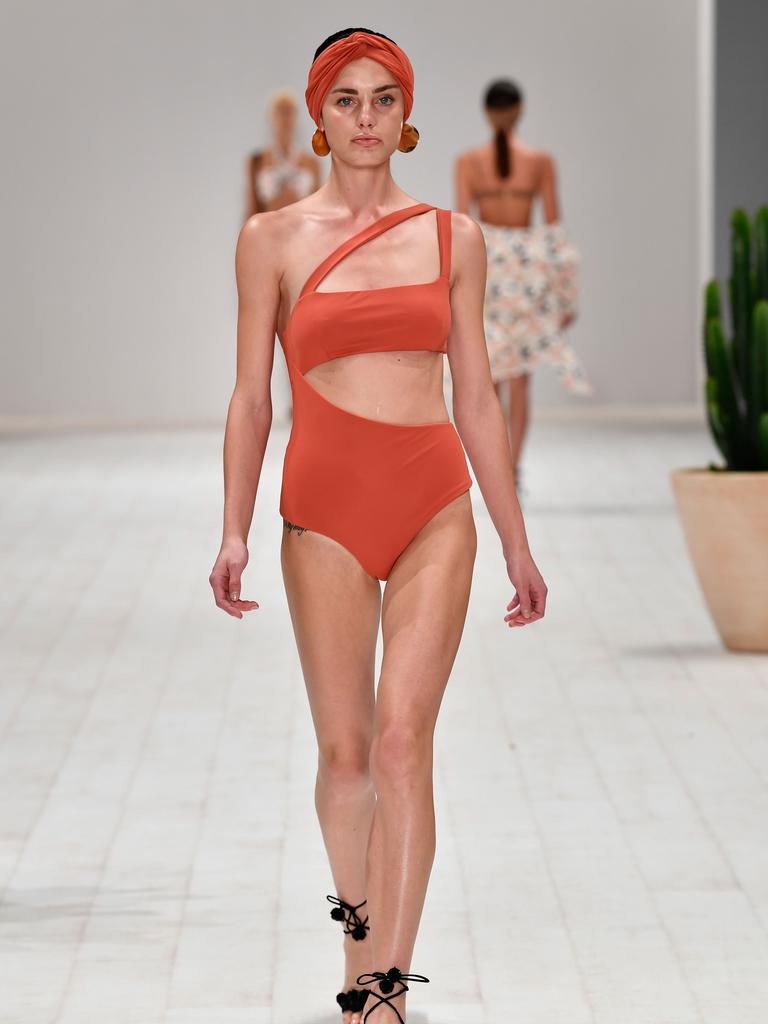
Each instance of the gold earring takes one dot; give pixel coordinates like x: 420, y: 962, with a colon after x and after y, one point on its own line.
x: 320, y: 143
x: 409, y: 138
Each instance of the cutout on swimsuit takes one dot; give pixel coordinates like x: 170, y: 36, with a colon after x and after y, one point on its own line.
x: 384, y: 386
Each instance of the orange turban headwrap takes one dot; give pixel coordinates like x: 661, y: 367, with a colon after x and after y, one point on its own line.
x: 329, y: 63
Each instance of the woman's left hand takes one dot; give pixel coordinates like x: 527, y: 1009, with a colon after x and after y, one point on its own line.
x: 530, y: 591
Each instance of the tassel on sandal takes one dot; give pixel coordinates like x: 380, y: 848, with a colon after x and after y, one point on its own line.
x: 387, y: 982
x: 354, y: 925
x: 353, y: 999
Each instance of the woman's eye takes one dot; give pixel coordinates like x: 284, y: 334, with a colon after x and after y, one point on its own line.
x: 346, y: 100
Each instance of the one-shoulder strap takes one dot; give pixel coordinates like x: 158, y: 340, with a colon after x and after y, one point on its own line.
x: 444, y: 238
x: 359, y: 238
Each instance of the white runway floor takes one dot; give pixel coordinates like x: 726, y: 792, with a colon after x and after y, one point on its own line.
x: 601, y: 776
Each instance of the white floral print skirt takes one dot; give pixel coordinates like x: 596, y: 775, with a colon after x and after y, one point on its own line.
x: 531, y: 284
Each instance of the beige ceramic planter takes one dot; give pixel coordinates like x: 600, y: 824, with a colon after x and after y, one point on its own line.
x: 725, y: 522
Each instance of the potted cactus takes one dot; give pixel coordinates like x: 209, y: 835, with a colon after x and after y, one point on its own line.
x: 724, y: 509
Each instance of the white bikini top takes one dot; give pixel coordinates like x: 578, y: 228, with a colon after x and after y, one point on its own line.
x: 269, y: 180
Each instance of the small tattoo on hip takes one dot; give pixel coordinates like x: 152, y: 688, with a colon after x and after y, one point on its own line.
x: 293, y: 526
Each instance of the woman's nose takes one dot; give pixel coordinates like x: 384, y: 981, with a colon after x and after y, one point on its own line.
x: 366, y: 115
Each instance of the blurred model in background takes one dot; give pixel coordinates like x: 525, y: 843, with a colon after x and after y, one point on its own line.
x: 275, y: 177
x: 531, y: 287
x: 281, y: 173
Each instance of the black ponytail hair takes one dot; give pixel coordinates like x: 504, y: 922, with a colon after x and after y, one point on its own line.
x: 343, y: 34
x: 500, y: 95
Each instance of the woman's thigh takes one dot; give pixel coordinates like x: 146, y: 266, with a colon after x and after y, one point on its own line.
x: 423, y: 615
x: 335, y: 609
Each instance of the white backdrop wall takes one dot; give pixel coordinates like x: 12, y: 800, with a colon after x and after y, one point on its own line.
x: 125, y: 128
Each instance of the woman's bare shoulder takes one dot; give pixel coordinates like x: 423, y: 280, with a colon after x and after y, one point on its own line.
x: 256, y: 241
x: 464, y: 228
x: 541, y: 156
x: 467, y: 241
x: 473, y: 156
x: 264, y: 236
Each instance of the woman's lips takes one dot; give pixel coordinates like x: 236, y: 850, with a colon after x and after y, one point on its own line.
x: 366, y: 142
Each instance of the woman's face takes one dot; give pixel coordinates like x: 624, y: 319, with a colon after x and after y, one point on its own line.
x: 364, y: 100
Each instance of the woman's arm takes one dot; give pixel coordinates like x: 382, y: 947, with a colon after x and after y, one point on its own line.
x: 479, y: 419
x: 249, y: 417
x: 548, y: 190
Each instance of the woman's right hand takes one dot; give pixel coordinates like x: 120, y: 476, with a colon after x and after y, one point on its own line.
x: 226, y: 575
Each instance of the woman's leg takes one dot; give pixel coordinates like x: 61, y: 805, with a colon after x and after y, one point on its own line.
x: 335, y: 610
x: 518, y: 417
x: 423, y: 615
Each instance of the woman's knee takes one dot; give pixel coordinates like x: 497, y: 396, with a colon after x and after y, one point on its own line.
x: 344, y: 762
x: 400, y: 751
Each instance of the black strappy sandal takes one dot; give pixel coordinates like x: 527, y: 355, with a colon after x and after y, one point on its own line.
x: 353, y: 999
x: 354, y: 924
x: 387, y: 983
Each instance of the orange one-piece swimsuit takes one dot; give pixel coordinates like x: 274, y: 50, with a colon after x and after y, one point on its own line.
x: 369, y: 484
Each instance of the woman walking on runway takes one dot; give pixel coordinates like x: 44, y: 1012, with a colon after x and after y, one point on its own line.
x: 368, y: 288
x: 531, y: 293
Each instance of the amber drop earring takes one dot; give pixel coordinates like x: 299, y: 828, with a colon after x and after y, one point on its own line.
x: 409, y: 138
x: 320, y: 143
